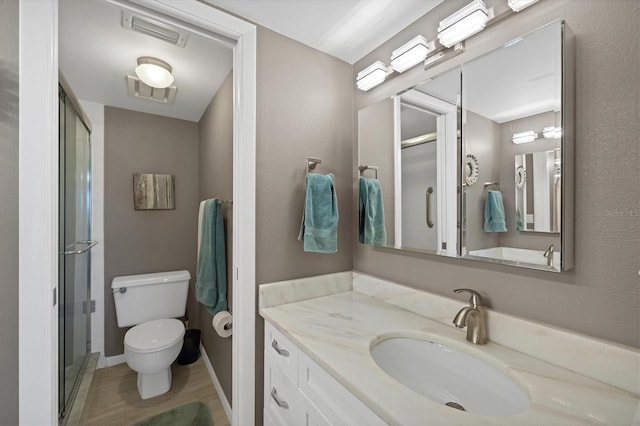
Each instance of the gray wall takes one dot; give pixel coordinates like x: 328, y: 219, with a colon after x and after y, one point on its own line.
x: 600, y: 297
x: 9, y: 211
x: 216, y: 181
x: 304, y: 109
x: 138, y: 241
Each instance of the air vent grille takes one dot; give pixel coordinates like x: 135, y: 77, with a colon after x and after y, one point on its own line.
x: 140, y: 90
x: 153, y: 28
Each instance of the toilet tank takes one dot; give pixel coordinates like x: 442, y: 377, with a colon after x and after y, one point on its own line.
x: 147, y: 297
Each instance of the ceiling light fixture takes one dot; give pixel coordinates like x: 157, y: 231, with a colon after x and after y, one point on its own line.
x: 552, y: 132
x: 154, y: 72
x: 372, y: 76
x: 524, y: 137
x: 410, y: 54
x: 518, y: 5
x: 464, y: 23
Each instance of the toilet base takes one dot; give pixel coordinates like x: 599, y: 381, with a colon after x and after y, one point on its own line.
x: 150, y: 385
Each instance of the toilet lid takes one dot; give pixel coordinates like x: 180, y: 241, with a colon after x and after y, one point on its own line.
x: 154, y: 335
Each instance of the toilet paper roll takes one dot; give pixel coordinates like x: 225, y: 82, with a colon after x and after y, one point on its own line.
x: 222, y: 323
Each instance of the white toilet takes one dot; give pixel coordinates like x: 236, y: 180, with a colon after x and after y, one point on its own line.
x: 151, y: 302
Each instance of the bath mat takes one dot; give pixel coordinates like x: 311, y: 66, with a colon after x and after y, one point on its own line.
x: 192, y: 414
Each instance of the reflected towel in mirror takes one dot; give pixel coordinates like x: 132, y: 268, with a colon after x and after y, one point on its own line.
x: 371, y: 229
x: 494, y: 219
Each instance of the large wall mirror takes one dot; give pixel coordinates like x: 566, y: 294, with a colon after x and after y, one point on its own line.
x: 477, y: 161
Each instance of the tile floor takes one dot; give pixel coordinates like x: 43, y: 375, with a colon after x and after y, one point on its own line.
x: 113, y: 397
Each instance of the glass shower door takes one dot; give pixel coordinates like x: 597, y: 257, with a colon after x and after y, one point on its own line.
x: 75, y: 245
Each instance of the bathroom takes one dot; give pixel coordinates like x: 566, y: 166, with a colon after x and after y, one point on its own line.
x: 307, y: 105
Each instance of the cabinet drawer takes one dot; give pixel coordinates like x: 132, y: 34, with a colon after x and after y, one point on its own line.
x: 282, y: 351
x: 282, y: 399
x: 337, y: 404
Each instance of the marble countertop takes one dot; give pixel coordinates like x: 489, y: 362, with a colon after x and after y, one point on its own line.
x: 337, y: 331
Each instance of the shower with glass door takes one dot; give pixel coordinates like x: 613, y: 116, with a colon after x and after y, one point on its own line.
x: 74, y: 280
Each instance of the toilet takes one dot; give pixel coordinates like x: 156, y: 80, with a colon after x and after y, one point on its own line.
x: 151, y: 303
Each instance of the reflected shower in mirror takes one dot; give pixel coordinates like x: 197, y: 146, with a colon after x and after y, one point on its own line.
x: 412, y: 139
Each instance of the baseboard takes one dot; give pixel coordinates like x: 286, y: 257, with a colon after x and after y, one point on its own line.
x: 110, y: 361
x: 216, y: 383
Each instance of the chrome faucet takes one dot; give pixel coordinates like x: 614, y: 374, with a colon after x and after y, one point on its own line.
x: 473, y: 317
x: 549, y: 255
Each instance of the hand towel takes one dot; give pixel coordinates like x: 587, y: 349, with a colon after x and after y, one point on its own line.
x: 494, y: 213
x: 371, y: 229
x: 519, y: 223
x: 211, y: 276
x: 319, y: 229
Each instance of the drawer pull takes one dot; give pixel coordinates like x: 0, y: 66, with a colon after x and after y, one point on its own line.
x: 281, y: 352
x: 280, y: 403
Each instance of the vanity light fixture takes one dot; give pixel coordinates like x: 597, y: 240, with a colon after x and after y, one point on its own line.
x: 524, y: 137
x: 552, y: 132
x: 518, y: 5
x: 154, y: 72
x: 372, y: 76
x: 464, y: 23
x: 411, y: 53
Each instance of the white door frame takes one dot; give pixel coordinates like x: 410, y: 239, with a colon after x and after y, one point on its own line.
x: 38, y: 202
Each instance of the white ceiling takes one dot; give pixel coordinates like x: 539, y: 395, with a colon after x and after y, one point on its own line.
x: 346, y: 29
x: 96, y: 53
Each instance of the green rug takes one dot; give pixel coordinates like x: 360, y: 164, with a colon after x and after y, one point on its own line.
x: 191, y: 414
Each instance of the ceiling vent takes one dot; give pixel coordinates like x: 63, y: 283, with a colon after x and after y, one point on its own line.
x: 140, y: 90
x: 160, y: 30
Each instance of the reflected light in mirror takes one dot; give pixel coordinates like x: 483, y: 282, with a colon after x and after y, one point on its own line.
x: 372, y: 76
x: 552, y: 132
x: 464, y: 23
x: 518, y: 5
x: 410, y: 54
x: 524, y: 137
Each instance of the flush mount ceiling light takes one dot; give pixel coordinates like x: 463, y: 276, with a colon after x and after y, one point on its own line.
x: 410, y: 54
x: 464, y: 23
x: 524, y: 137
x: 154, y: 72
x: 371, y: 76
x: 518, y: 5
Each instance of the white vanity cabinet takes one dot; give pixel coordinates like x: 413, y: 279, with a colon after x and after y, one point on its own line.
x: 297, y: 391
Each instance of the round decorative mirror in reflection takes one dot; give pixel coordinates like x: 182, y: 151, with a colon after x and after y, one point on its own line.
x: 471, y: 170
x: 521, y: 176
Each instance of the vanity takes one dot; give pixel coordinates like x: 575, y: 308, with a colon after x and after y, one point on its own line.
x: 331, y: 342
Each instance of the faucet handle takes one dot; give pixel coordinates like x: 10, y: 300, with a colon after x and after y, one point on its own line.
x: 476, y: 298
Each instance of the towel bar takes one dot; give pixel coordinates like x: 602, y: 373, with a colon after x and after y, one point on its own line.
x: 312, y: 162
x: 488, y: 184
x: 364, y: 167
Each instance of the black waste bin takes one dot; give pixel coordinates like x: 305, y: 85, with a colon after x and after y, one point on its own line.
x: 190, y: 348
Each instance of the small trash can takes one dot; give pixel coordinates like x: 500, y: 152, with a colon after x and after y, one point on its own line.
x: 190, y: 347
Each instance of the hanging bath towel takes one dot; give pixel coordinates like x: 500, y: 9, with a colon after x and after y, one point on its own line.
x: 371, y: 229
x: 319, y: 229
x: 211, y: 281
x: 494, y: 220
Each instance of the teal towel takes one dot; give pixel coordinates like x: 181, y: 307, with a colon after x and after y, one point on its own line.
x: 494, y: 213
x: 211, y: 281
x: 371, y: 228
x: 319, y: 230
x: 519, y: 224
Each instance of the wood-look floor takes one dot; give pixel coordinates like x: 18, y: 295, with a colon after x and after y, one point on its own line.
x: 113, y: 397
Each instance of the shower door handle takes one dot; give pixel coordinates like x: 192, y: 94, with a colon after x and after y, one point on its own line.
x: 90, y: 245
x: 428, y: 196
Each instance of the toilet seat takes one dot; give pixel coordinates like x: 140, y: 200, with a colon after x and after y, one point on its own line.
x: 154, y: 336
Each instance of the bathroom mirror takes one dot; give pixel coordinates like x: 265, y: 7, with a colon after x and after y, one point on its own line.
x: 439, y: 149
x: 410, y: 143
x: 514, y: 108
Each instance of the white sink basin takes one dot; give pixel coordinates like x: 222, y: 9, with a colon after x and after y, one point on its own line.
x: 446, y: 375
